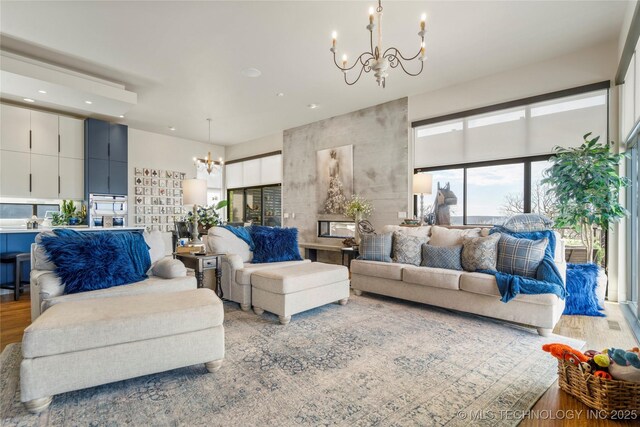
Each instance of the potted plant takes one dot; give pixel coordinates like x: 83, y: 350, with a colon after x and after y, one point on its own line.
x: 586, y: 186
x: 208, y: 216
x: 358, y: 209
x: 68, y: 214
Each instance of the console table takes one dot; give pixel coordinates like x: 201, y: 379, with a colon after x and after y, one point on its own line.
x: 311, y: 252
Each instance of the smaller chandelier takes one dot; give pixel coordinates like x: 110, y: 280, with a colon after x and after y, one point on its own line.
x: 208, y: 163
x: 376, y: 59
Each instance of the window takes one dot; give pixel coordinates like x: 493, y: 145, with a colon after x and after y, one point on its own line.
x: 515, y: 129
x: 494, y: 193
x: 486, y: 193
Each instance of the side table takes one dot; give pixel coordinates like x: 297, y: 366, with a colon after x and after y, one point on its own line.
x: 202, y: 263
x: 349, y: 254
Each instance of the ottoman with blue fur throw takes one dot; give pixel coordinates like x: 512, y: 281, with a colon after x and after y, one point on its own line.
x: 290, y: 290
x: 79, y: 344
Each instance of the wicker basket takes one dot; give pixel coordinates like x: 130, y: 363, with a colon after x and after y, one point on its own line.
x: 608, y: 396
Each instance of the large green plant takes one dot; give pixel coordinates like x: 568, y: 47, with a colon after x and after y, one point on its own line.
x: 586, y: 186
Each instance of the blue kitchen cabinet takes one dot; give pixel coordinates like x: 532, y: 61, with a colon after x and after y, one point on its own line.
x: 106, y: 145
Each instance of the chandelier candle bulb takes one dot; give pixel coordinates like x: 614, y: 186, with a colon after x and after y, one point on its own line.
x: 423, y: 21
x: 344, y: 61
x: 371, y: 15
x: 334, y: 36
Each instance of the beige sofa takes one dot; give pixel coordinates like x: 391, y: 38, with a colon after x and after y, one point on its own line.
x: 166, y: 275
x: 458, y: 290
x: 236, y: 265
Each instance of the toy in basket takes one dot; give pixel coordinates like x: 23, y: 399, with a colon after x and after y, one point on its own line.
x: 608, y: 381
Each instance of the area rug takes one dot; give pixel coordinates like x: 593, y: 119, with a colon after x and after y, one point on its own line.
x: 375, y: 361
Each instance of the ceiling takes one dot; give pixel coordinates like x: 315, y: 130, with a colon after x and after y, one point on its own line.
x: 184, y: 59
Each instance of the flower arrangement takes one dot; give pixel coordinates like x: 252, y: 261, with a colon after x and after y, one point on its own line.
x: 208, y: 216
x: 358, y: 207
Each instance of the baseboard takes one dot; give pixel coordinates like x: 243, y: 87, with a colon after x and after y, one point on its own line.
x: 632, y: 319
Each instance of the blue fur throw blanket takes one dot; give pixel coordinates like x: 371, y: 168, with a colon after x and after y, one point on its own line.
x: 241, y: 233
x: 97, y: 260
x: 548, y: 279
x: 582, y: 280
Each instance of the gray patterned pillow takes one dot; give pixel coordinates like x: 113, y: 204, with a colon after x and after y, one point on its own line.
x: 520, y: 256
x: 441, y: 257
x: 527, y: 222
x: 480, y: 253
x: 406, y: 248
x: 375, y: 247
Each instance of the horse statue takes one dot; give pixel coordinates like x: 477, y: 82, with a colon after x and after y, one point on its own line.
x: 444, y: 198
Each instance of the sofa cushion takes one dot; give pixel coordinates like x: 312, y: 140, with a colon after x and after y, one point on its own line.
x: 95, y: 323
x: 243, y: 275
x: 41, y: 259
x: 407, y: 249
x: 432, y: 277
x: 169, y: 268
x: 376, y: 247
x: 383, y: 270
x: 520, y: 256
x: 441, y: 236
x: 155, y: 241
x: 485, y: 284
x: 422, y: 232
x: 447, y: 257
x: 480, y: 253
x: 275, y: 244
x: 527, y: 222
x: 222, y: 241
x: 298, y: 278
x: 150, y: 285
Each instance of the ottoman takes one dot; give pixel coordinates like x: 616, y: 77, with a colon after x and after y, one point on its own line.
x: 289, y: 290
x: 80, y: 344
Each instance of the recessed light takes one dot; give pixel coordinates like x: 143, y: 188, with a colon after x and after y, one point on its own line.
x: 280, y: 94
x: 42, y: 91
x: 313, y: 106
x: 121, y: 116
x: 172, y: 128
x: 88, y: 102
x: 28, y: 100
x: 251, y: 72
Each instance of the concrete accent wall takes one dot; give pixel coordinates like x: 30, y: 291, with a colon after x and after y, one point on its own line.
x: 380, y: 139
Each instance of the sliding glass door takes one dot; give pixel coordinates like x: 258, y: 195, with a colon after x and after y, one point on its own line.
x: 256, y: 205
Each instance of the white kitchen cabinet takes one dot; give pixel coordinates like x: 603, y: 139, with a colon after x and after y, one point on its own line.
x: 71, y: 137
x: 14, y: 174
x: 44, y: 176
x: 14, y: 125
x: 71, y: 178
x: 44, y: 133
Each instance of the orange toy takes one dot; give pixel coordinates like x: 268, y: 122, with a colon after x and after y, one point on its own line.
x: 564, y: 352
x: 602, y: 374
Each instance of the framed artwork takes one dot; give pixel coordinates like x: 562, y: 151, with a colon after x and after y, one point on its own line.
x: 334, y: 177
x: 158, y: 198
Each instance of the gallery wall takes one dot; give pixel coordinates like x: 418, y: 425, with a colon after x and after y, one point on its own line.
x: 379, y: 136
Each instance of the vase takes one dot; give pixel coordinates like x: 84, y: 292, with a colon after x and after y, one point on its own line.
x: 356, y: 234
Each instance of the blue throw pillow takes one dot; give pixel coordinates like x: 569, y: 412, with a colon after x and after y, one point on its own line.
x: 97, y: 260
x: 274, y: 244
x: 582, y: 281
x: 375, y: 247
x: 441, y: 257
x: 520, y: 257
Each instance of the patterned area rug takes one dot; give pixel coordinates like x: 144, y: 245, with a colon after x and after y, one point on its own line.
x: 375, y: 361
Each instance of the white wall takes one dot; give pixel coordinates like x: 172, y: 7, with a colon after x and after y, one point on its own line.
x: 583, y: 67
x: 156, y: 151
x: 265, y: 144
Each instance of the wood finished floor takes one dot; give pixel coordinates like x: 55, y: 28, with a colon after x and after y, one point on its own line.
x: 599, y: 333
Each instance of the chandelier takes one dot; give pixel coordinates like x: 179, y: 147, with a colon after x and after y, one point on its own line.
x: 376, y: 60
x: 208, y: 163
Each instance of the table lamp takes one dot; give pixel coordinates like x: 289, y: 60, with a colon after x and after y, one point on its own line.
x: 422, y: 184
x: 194, y: 192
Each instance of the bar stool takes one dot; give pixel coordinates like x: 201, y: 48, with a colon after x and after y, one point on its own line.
x: 15, y: 258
